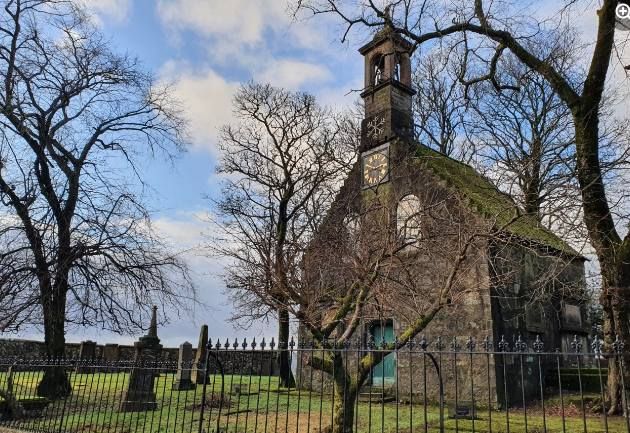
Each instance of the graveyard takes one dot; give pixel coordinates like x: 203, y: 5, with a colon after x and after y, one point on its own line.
x: 256, y: 404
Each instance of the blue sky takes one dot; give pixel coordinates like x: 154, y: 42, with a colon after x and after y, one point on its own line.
x: 208, y: 47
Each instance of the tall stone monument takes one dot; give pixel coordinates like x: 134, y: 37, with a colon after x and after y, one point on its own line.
x: 199, y: 368
x: 184, y: 364
x: 140, y: 395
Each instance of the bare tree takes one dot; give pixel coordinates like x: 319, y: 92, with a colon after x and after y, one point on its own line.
x: 525, y: 140
x: 281, y: 161
x: 76, y: 241
x: 490, y: 30
x: 439, y: 105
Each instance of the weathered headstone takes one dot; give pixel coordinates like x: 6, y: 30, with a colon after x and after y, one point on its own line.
x: 199, y: 369
x: 111, y: 356
x: 111, y: 353
x: 140, y: 395
x: 184, y: 364
x: 87, y: 352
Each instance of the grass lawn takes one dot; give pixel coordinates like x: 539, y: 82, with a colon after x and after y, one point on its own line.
x: 93, y: 408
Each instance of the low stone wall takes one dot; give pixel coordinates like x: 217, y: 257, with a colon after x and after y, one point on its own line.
x: 32, y: 349
x: 246, y: 362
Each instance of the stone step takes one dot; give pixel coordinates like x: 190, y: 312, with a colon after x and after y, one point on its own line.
x: 375, y: 395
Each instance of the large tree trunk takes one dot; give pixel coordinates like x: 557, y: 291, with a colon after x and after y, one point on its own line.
x: 614, y: 301
x: 345, y: 399
x: 346, y: 393
x: 613, y: 253
x: 284, y: 363
x: 55, y: 383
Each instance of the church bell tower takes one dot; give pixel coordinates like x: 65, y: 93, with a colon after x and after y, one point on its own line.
x: 387, y: 97
x: 387, y: 93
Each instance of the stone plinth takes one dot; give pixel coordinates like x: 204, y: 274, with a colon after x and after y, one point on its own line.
x: 140, y: 394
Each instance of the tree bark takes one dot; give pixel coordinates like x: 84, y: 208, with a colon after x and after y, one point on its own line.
x: 345, y: 399
x: 612, y: 252
x: 55, y: 383
x: 284, y: 363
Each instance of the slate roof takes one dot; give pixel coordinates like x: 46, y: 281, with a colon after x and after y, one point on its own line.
x: 486, y: 200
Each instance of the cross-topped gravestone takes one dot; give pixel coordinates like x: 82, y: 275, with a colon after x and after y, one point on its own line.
x: 199, y: 368
x: 140, y: 395
x: 184, y: 364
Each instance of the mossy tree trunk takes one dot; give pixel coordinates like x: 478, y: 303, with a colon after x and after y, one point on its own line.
x: 613, y: 252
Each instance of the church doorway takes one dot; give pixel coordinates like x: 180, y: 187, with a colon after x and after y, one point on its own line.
x: 384, y: 373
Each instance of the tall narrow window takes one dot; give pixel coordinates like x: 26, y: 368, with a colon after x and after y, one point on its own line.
x: 378, y: 70
x: 408, y: 219
x: 351, y: 223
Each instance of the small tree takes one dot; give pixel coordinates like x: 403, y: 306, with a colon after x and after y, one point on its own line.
x: 77, y: 244
x: 281, y: 161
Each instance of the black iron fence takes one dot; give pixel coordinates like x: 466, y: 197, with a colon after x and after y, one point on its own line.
x: 424, y: 386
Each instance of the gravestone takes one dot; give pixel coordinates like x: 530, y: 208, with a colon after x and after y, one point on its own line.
x: 111, y: 356
x: 199, y: 369
x: 463, y: 410
x: 140, y: 395
x: 87, y: 352
x: 111, y: 353
x: 184, y: 363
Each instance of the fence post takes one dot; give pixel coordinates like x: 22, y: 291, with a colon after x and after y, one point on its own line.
x: 205, y: 384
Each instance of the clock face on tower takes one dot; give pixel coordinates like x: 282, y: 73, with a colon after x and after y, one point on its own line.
x: 375, y: 166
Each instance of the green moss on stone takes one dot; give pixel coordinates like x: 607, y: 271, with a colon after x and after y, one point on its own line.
x: 485, y: 199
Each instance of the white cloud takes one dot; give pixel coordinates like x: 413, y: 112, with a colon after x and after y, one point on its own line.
x: 206, y: 98
x: 117, y: 10
x: 292, y: 74
x: 244, y: 19
x: 238, y: 23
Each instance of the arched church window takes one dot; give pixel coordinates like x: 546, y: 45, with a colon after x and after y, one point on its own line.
x: 378, y: 70
x: 408, y: 219
x: 351, y: 223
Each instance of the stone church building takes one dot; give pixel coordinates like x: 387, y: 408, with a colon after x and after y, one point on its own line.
x: 446, y: 233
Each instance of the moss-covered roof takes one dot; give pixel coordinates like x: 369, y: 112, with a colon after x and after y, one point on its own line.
x: 485, y: 199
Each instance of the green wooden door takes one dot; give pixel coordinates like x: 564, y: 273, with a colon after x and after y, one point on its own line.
x: 385, y: 372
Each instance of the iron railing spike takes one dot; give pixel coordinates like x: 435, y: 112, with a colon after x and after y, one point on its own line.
x: 470, y: 344
x: 538, y: 345
x: 439, y: 344
x: 618, y: 345
x: 503, y: 345
x: 423, y: 343
x: 576, y: 345
x: 596, y: 345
